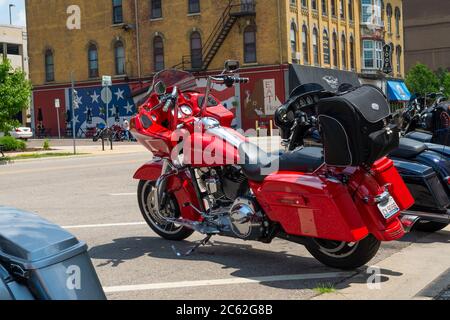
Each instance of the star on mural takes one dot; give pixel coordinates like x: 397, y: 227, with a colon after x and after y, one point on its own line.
x: 95, y: 97
x: 75, y: 119
x: 119, y: 94
x: 129, y: 108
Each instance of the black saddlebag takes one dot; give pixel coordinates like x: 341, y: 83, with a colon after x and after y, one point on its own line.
x: 354, y: 129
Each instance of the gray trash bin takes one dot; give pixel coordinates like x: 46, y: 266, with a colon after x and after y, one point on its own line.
x: 45, y: 258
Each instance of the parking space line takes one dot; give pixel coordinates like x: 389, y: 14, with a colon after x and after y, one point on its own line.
x: 108, y: 225
x: 122, y: 194
x: 223, y: 282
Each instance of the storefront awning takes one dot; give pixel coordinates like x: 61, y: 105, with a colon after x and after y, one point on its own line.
x: 330, y: 79
x: 397, y: 91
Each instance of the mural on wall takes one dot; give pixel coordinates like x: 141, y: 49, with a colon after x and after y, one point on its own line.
x: 90, y: 106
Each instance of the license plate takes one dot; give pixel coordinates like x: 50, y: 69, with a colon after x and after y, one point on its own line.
x: 389, y: 209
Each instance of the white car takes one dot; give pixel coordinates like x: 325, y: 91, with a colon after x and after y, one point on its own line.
x: 22, y: 133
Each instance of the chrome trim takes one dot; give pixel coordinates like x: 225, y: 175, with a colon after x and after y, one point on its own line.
x: 408, y: 222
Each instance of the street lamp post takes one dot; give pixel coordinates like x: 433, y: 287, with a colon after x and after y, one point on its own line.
x: 10, y: 15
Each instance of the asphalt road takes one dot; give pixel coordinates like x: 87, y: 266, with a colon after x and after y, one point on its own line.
x: 95, y: 198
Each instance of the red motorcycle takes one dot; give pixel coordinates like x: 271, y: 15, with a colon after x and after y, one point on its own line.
x: 208, y: 178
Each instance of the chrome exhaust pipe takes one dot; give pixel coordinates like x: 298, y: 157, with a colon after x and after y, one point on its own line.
x: 429, y: 216
x: 408, y: 222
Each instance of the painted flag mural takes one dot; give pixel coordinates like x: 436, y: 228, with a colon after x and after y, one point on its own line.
x: 90, y: 106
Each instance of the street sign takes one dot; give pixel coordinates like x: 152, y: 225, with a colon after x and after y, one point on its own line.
x: 106, y: 81
x: 57, y: 104
x: 387, y: 59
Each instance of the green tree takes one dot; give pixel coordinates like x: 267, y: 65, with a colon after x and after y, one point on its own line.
x: 445, y: 84
x: 15, y: 92
x: 420, y: 79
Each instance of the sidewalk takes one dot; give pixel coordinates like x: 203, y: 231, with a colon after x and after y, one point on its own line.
x: 420, y: 271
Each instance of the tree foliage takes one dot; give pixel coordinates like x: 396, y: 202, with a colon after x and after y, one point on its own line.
x: 421, y: 80
x: 15, y: 92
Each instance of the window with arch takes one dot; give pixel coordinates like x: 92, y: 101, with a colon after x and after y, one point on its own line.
x: 293, y: 38
x: 350, y: 10
x: 93, y: 61
x: 250, y: 44
x: 342, y: 9
x: 399, y: 59
x: 196, y: 50
x: 117, y: 11
x: 156, y: 9
x: 49, y: 66
x: 194, y: 6
x: 335, y: 50
x: 326, y: 47
x: 315, y: 42
x: 352, y: 53
x: 158, y: 53
x: 325, y: 7
x: 344, y: 51
x: 305, y: 44
x: 389, y: 18
x: 314, y: 4
x: 333, y: 8
x: 119, y: 57
x: 397, y: 20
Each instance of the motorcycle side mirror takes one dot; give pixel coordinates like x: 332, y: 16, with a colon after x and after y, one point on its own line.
x: 160, y: 88
x: 232, y: 65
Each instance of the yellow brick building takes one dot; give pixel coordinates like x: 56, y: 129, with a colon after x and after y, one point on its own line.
x: 132, y: 39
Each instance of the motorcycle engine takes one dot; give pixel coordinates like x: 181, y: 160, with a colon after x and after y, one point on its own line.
x: 246, y: 222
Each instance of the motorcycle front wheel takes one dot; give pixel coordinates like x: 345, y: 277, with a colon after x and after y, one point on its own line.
x: 344, y: 255
x: 168, y: 231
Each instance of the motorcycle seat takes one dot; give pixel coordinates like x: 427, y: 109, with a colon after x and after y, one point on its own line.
x: 259, y: 164
x: 420, y: 136
x: 409, y: 148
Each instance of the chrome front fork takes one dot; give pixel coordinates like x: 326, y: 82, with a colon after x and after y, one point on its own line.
x: 168, y: 171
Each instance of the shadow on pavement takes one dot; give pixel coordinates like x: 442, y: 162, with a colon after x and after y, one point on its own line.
x: 248, y: 262
x: 442, y: 236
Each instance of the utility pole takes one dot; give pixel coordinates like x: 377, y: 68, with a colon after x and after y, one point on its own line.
x: 74, y: 101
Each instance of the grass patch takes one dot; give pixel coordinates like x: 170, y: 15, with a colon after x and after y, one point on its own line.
x: 325, y: 288
x: 42, y: 155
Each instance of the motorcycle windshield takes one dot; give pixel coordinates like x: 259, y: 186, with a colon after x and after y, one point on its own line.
x: 183, y: 80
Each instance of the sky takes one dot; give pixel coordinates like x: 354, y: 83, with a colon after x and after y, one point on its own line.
x: 18, y: 12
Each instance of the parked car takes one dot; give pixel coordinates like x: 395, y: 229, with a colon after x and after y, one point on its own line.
x: 23, y: 133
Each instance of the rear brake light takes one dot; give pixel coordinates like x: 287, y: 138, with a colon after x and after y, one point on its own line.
x: 18, y: 130
x: 448, y: 180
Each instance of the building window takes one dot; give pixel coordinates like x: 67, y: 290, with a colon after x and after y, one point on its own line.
x: 371, y: 12
x: 314, y: 4
x: 399, y: 59
x: 158, y: 53
x: 156, y: 8
x: 335, y: 50
x: 350, y: 10
x: 293, y: 3
x: 342, y: 9
x: 117, y: 12
x: 305, y: 3
x: 294, y: 40
x: 49, y: 66
x: 373, y: 54
x: 315, y: 41
x: 352, y: 53
x: 250, y: 44
x: 397, y: 21
x: 305, y: 44
x: 389, y: 18
x: 344, y: 51
x: 326, y: 47
x: 194, y: 6
x: 196, y: 50
x: 119, y: 56
x: 13, y: 49
x: 333, y: 8
x: 93, y: 61
x: 324, y: 7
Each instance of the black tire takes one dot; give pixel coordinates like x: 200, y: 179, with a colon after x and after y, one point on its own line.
x: 166, y: 231
x: 429, y: 226
x: 342, y: 255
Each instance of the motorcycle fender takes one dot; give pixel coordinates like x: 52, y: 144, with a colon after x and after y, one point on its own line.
x: 435, y: 160
x: 150, y: 171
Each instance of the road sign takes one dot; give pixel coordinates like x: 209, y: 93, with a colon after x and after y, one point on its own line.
x: 106, y: 81
x: 57, y: 104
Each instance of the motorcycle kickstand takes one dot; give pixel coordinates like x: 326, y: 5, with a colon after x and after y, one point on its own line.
x: 204, y: 242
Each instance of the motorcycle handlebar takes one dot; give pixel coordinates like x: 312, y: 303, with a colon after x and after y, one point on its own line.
x: 227, y: 80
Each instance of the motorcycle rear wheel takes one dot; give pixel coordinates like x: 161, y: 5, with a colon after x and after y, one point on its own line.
x: 430, y: 226
x: 343, y: 255
x: 168, y: 231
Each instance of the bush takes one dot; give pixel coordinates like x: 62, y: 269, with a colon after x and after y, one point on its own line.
x: 12, y: 144
x: 46, y: 145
